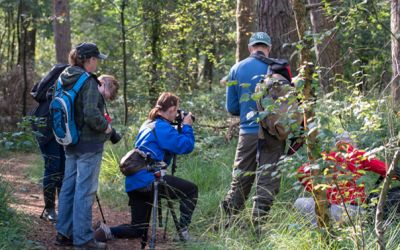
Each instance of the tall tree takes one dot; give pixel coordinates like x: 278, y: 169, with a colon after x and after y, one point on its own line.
x: 395, y: 29
x: 328, y: 58
x: 245, y: 25
x: 124, y: 57
x: 62, y: 30
x: 152, y: 28
x: 26, y: 45
x: 276, y: 18
x: 307, y: 70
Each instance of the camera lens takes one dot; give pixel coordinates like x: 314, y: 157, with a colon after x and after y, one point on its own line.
x: 115, y: 137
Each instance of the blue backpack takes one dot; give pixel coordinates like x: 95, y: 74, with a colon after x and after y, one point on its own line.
x: 62, y: 112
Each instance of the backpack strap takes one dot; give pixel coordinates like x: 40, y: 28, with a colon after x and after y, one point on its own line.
x: 78, y: 85
x: 280, y: 66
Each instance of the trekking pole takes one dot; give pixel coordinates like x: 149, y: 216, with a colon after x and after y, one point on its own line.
x: 41, y: 215
x: 101, y: 210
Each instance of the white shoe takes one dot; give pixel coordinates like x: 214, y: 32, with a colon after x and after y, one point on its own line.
x: 184, y: 236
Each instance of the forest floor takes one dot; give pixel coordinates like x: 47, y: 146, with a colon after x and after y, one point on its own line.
x: 29, y: 202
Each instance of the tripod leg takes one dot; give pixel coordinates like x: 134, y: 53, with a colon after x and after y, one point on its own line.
x: 171, y: 208
x: 154, y: 216
x: 166, y: 224
x: 160, y: 224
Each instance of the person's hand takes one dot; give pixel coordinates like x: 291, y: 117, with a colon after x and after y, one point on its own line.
x: 188, y: 119
x: 109, y: 129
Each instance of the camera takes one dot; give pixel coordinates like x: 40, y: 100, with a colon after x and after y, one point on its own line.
x: 115, y: 137
x: 181, y: 115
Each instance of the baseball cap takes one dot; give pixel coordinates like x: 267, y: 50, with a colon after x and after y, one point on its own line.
x: 260, y: 37
x: 88, y: 50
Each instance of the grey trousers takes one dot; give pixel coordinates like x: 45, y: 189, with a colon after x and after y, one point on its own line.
x: 249, y: 148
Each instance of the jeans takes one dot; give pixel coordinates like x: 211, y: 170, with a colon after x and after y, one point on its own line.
x: 77, y: 196
x: 54, y: 161
x: 141, y: 204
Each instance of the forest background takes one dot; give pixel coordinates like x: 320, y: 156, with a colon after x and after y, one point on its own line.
x: 345, y: 54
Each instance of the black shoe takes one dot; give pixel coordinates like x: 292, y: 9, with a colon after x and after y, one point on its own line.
x: 91, y: 245
x: 62, y: 240
x: 50, y: 215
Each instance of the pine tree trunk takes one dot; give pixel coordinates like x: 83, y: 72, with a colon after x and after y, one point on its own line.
x: 245, y: 25
x: 395, y: 28
x: 62, y: 30
x: 328, y: 58
x: 276, y: 18
x: 26, y: 33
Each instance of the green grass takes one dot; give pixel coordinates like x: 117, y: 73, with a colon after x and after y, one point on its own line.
x: 13, y: 225
x: 210, y: 168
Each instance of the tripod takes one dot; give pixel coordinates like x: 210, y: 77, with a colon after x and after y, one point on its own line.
x: 159, y: 180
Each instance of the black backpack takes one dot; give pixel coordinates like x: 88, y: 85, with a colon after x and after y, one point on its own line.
x: 42, y: 92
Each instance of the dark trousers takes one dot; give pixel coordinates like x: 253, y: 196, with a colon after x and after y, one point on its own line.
x: 54, y: 164
x: 141, y: 202
x: 268, y: 177
x: 249, y: 151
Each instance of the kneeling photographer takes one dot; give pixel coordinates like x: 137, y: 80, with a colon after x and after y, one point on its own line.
x: 158, y: 140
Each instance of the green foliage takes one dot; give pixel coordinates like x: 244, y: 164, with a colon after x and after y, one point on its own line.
x: 22, y: 139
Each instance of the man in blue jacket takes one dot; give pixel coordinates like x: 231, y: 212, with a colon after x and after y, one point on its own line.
x: 242, y: 80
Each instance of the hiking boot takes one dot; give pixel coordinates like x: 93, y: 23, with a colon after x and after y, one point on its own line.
x: 185, y: 236
x: 50, y: 214
x: 103, y: 233
x: 62, y: 240
x: 91, y: 245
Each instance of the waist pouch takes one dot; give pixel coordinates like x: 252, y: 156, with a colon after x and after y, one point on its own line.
x: 133, y: 161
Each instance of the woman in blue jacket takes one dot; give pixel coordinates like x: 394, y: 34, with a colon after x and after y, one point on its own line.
x: 160, y: 139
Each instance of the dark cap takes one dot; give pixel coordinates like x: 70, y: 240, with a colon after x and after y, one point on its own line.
x: 88, y: 50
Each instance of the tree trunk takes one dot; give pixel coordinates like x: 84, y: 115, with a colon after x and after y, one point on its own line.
x: 307, y: 70
x: 276, y: 18
x: 328, y: 58
x: 14, y: 36
x: 208, y: 72
x: 379, y: 222
x: 152, y: 29
x: 395, y: 28
x: 124, y: 57
x: 245, y: 25
x: 62, y: 30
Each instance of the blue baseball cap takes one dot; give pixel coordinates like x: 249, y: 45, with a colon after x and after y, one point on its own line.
x: 260, y: 37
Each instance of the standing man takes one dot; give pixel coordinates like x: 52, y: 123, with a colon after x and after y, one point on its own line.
x: 248, y: 71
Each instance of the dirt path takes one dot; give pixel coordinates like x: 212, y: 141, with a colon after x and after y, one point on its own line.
x: 29, y: 200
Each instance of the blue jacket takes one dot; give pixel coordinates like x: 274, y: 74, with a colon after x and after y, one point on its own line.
x: 161, y: 140
x: 250, y: 71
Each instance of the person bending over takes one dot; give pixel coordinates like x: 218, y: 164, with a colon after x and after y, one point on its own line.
x: 347, y: 192
x: 160, y: 140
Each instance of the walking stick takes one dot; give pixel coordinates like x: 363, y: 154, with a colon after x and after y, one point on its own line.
x: 101, y: 210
